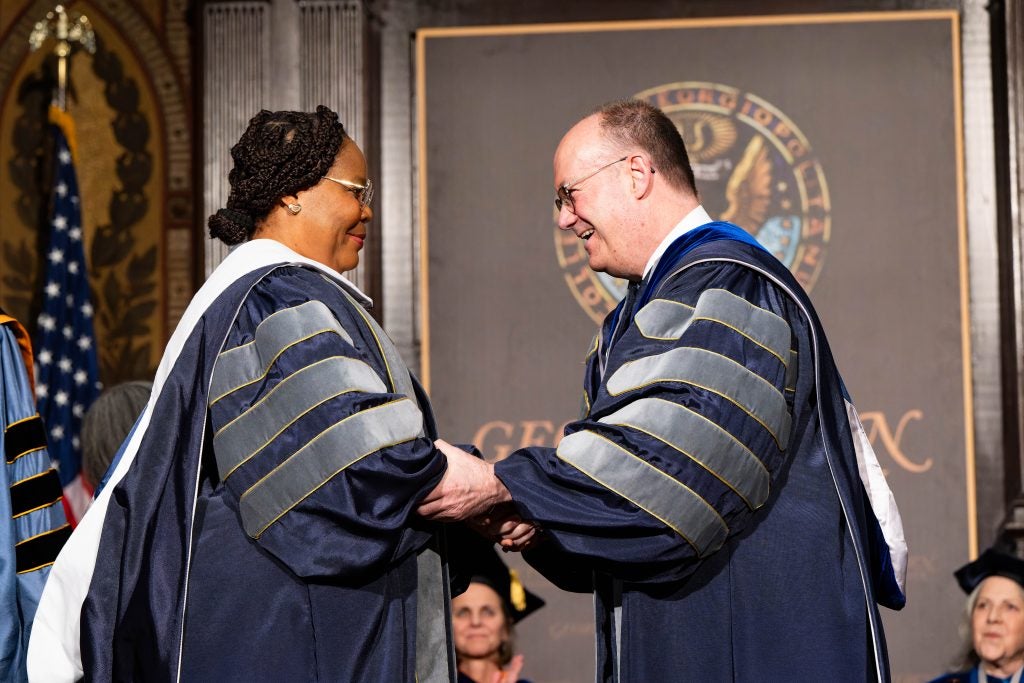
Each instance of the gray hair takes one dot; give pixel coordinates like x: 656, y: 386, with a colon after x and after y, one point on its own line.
x: 107, y: 423
x: 967, y: 657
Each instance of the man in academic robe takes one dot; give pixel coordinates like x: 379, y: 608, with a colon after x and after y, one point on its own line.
x: 718, y: 496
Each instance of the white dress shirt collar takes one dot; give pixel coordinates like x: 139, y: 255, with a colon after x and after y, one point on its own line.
x: 696, y: 218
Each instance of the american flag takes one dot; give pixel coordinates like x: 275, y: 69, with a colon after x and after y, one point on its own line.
x: 67, y: 379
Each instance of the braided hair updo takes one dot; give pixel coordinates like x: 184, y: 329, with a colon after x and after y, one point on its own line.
x: 280, y: 153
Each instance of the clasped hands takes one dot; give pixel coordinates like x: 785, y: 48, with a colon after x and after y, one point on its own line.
x: 470, y: 492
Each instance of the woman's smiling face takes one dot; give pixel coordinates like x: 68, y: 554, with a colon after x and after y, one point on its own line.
x: 478, y: 622
x: 331, y: 225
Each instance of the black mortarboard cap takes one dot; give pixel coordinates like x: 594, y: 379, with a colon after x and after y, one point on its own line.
x: 991, y: 563
x: 519, y: 602
x: 484, y: 565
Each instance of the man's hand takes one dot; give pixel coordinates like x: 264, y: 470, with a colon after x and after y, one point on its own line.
x: 468, y: 488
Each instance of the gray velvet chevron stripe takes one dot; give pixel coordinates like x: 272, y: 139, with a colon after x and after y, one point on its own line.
x: 434, y: 649
x: 760, y: 326
x: 713, y: 372
x: 292, y: 398
x: 245, y: 364
x: 397, y: 371
x: 647, y: 487
x: 664, y: 319
x: 336, y: 448
x: 330, y: 452
x: 703, y: 441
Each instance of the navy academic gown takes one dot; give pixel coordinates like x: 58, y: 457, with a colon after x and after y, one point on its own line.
x: 280, y: 522
x: 710, y: 496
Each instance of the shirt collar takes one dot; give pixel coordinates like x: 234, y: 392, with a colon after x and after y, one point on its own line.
x: 696, y: 218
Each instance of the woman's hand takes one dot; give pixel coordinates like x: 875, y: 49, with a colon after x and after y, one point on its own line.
x: 510, y: 674
x: 502, y: 524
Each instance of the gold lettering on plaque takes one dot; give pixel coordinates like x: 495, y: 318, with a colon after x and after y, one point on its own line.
x: 498, y: 438
x: 891, y: 441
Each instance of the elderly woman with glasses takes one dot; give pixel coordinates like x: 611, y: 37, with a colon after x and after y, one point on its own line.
x: 261, y: 524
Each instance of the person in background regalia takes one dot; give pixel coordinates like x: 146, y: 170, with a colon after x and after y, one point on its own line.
x: 33, y: 527
x: 106, y: 425
x: 260, y: 523
x: 993, y: 627
x: 484, y: 617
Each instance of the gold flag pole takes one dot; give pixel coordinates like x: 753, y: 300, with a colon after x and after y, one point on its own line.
x: 66, y: 29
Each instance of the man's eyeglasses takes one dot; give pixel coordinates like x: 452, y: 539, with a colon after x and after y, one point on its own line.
x: 564, y: 193
x: 362, y: 193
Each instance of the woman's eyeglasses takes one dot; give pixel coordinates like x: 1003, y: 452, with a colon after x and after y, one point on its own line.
x: 362, y: 193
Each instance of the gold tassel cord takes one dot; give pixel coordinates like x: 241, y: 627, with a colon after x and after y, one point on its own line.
x: 516, y: 592
x: 63, y: 120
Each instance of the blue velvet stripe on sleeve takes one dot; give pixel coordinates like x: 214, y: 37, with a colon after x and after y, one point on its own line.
x: 33, y: 527
x: 325, y: 460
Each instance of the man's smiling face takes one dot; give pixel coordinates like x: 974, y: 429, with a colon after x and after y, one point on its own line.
x: 596, y: 198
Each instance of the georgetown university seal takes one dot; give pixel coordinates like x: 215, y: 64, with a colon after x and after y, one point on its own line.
x: 753, y: 168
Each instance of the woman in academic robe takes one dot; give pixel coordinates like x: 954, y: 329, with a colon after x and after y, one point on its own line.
x: 260, y: 524
x: 484, y: 617
x: 994, y: 621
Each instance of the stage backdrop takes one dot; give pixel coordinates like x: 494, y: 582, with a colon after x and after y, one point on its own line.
x: 835, y: 139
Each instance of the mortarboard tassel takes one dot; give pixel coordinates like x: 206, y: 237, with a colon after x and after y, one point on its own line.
x: 516, y: 592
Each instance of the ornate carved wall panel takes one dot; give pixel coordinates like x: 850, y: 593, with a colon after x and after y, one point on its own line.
x: 236, y: 77
x: 333, y: 61
x: 333, y: 72
x: 278, y: 54
x: 131, y: 107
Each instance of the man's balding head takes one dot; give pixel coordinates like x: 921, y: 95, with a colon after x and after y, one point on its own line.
x: 637, y: 124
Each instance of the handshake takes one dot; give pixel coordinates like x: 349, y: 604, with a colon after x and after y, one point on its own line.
x: 470, y: 492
